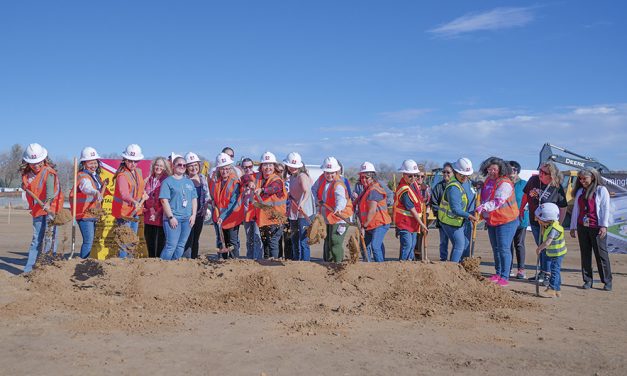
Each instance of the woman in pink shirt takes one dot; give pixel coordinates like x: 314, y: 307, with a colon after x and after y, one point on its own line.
x: 153, y: 211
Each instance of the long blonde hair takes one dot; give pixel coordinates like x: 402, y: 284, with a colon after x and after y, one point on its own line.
x: 167, y: 170
x: 556, y: 175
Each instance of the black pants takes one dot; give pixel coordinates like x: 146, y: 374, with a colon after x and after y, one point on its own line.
x: 285, y: 245
x: 418, y: 247
x: 155, y: 239
x: 518, y: 247
x: 231, y: 238
x: 194, y: 237
x: 589, y: 241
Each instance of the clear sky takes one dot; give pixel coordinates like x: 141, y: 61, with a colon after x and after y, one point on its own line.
x: 361, y: 80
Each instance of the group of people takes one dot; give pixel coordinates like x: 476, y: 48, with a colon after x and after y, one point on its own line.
x: 281, y: 197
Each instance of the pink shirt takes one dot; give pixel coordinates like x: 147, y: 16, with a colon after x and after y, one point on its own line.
x: 153, y: 211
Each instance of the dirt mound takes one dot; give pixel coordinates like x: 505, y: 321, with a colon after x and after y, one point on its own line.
x: 140, y: 294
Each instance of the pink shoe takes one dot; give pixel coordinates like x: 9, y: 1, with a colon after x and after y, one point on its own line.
x: 495, y: 278
x: 503, y: 282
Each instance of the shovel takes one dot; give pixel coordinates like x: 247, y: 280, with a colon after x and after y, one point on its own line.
x: 362, y: 241
x: 224, y: 248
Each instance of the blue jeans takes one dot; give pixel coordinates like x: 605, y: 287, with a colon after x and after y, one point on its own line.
x: 556, y: 276
x: 468, y: 235
x: 88, y: 228
x: 300, y: 247
x: 254, y: 250
x: 270, y: 238
x: 443, y: 244
x: 545, y: 262
x: 37, y: 244
x: 458, y: 239
x: 175, y: 238
x: 408, y: 243
x: 501, y: 240
x: 218, y: 235
x: 374, y: 242
x: 133, y: 225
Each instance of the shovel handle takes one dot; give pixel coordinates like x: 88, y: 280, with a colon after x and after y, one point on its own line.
x: 32, y: 195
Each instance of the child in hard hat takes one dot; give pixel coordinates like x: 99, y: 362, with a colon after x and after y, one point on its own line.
x: 44, y: 197
x: 553, y: 242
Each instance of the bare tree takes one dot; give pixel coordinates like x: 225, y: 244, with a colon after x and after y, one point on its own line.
x: 9, y: 166
x: 65, y: 172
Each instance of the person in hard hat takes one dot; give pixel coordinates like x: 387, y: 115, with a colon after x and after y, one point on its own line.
x: 372, y: 210
x: 500, y: 211
x: 254, y: 249
x: 192, y: 165
x: 553, y: 244
x: 407, y: 210
x: 301, y: 205
x: 89, y: 190
x: 518, y: 244
x: 423, y: 192
x: 589, y: 222
x: 436, y: 197
x: 129, y: 195
x: 285, y: 245
x: 40, y: 178
x: 456, y: 208
x: 228, y: 211
x: 180, y: 203
x: 270, y: 193
x: 335, y: 206
x: 543, y: 188
x: 153, y: 210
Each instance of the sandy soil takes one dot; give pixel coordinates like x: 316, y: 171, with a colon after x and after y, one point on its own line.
x: 282, y: 318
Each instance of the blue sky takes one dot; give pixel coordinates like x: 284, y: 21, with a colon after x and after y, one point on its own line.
x: 361, y: 80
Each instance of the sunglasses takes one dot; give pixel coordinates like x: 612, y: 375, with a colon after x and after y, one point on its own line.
x: 248, y: 167
x: 514, y: 169
x: 180, y: 165
x: 544, y: 172
x: 447, y: 172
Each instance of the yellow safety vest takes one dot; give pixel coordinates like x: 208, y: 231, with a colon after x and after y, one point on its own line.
x: 558, y: 245
x: 445, y: 215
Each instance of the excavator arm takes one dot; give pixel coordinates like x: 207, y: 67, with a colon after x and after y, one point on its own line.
x: 577, y: 161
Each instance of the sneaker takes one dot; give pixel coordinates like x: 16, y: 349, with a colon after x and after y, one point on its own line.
x: 502, y: 282
x: 548, y: 293
x: 512, y: 273
x: 520, y: 274
x: 607, y: 287
x: 539, y: 277
x: 587, y: 286
x: 495, y: 278
x: 558, y: 294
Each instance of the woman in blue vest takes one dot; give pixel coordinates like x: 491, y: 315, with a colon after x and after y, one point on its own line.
x: 454, y: 209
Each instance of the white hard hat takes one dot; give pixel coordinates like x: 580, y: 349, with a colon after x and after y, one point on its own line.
x: 268, y: 157
x: 34, y: 153
x: 173, y: 156
x: 463, y: 166
x: 367, y: 167
x: 548, y: 212
x: 330, y: 164
x: 89, y: 154
x: 223, y: 159
x: 293, y: 160
x: 409, y: 166
x: 133, y: 153
x: 191, y: 157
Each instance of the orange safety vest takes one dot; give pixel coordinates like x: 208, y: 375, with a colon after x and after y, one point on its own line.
x: 509, y: 210
x: 38, y: 187
x: 329, y: 200
x: 279, y: 204
x: 221, y: 193
x: 120, y: 208
x: 402, y: 216
x: 381, y: 216
x: 84, y: 201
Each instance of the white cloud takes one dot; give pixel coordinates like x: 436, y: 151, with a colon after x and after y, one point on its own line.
x: 405, y: 115
x: 495, y: 19
x: 599, y: 110
x: 480, y: 113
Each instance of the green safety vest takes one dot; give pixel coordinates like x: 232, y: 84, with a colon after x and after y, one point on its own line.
x: 558, y: 245
x: 445, y: 215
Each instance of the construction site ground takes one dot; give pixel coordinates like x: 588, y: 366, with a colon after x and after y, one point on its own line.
x: 241, y: 317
